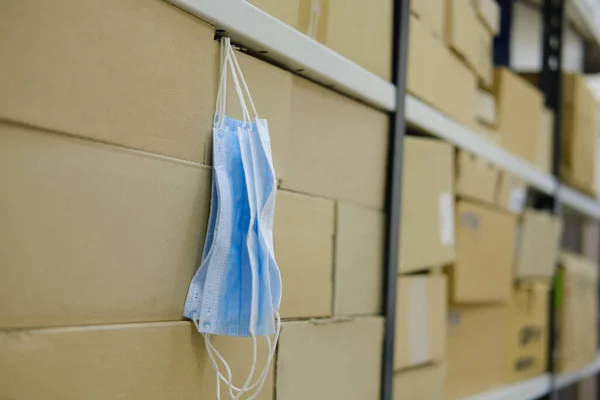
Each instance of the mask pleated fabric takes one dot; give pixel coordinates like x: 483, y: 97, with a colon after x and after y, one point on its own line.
x: 237, y: 288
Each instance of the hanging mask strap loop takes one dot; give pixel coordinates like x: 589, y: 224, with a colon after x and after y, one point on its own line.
x: 254, y: 389
x: 226, y: 64
x: 241, y: 76
x: 222, y: 90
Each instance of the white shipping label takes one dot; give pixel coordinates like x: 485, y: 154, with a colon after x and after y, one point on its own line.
x: 446, y: 218
x: 516, y: 200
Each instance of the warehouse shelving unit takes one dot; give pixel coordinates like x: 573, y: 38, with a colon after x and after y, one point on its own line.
x: 540, y: 386
x: 269, y: 38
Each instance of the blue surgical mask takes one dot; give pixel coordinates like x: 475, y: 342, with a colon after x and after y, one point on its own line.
x: 237, y: 289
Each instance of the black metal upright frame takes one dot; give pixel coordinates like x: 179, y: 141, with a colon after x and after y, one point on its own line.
x: 394, y: 192
x: 550, y: 82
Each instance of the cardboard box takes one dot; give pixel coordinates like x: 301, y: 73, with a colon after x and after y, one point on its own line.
x: 427, y: 229
x: 470, y: 38
x: 527, y: 333
x: 520, y: 107
x: 576, y: 302
x: 338, y: 147
x: 301, y: 223
x: 439, y: 86
x: 420, y: 320
x: 579, y: 130
x: 484, y: 55
x: 117, y: 233
x: 149, y: 85
x: 286, y: 11
x: 160, y: 360
x: 153, y: 360
x: 587, y: 388
x: 476, y: 178
x: 338, y: 359
x: 544, y: 149
x: 486, y: 107
x: 488, y: 12
x: 432, y: 14
x: 347, y: 27
x: 271, y: 91
x: 313, y: 18
x: 359, y: 266
x: 351, y: 27
x: 475, y: 349
x: 421, y: 383
x: 461, y: 29
x: 485, y: 242
x: 511, y: 194
x: 537, y: 245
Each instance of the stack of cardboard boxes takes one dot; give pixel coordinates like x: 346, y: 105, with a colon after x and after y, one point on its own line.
x: 105, y: 156
x: 358, y: 30
x: 501, y: 256
x: 577, y: 312
x: 426, y: 244
x: 450, y: 67
x: 579, y: 130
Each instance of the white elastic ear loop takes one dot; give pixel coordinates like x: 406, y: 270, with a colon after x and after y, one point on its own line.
x: 212, y: 351
x: 222, y: 91
x: 229, y: 381
x: 238, y: 89
x: 265, y: 372
x: 239, y: 71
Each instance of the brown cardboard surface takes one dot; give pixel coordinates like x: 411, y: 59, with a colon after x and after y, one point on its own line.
x: 527, y: 331
x: 338, y: 147
x: 303, y: 239
x: 313, y: 17
x: 421, y: 383
x: 578, y: 155
x: 577, y: 312
x: 420, y: 320
x: 520, y: 107
x: 359, y: 248
x: 475, y: 178
x: 543, y: 154
x: 271, y: 91
x: 338, y: 359
x: 485, y: 241
x: 149, y: 85
x: 432, y: 14
x: 484, y: 55
x: 488, y: 12
x: 438, y: 86
x: 511, y: 194
x: 427, y: 230
x: 486, y: 107
x: 351, y: 27
x: 94, y: 233
x: 537, y: 246
x: 154, y: 361
x: 587, y: 388
x: 475, y: 349
x: 286, y: 11
x: 461, y: 29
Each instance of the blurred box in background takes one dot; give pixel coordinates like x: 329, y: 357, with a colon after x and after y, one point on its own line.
x: 527, y: 330
x: 421, y: 320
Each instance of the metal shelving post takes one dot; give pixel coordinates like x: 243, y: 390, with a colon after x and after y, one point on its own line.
x: 550, y: 82
x: 394, y: 192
